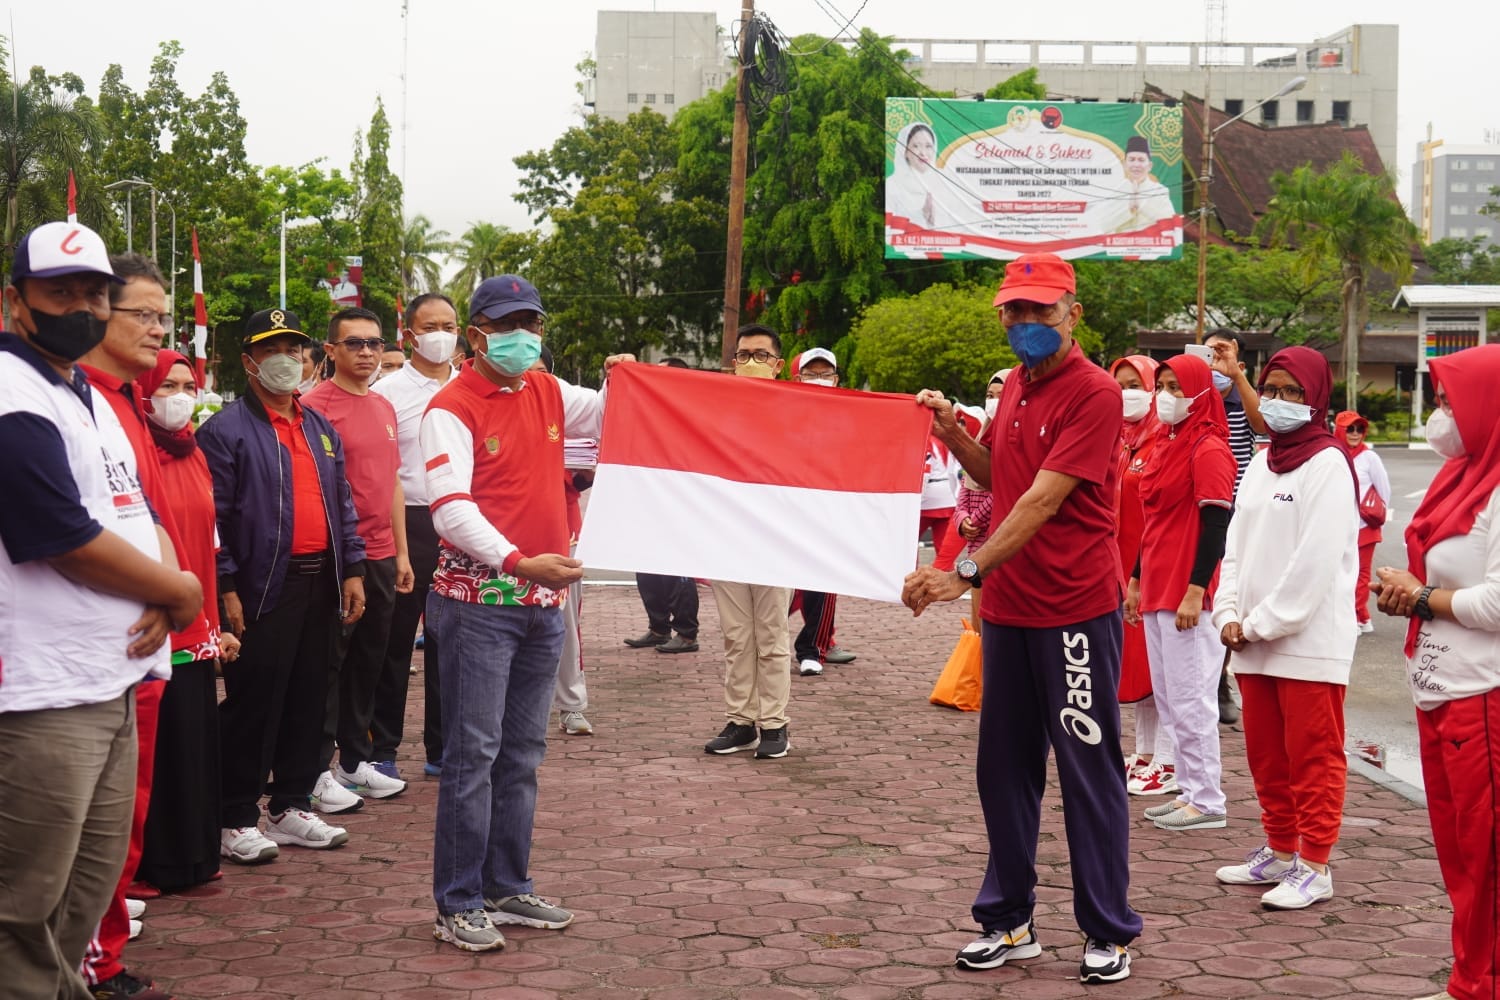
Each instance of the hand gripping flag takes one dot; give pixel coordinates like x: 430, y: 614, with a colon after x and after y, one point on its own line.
x: 773, y: 483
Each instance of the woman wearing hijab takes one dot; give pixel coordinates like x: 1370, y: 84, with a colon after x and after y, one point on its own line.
x: 971, y: 521
x: 1451, y: 592
x: 916, y: 189
x: 1350, y: 428
x: 1286, y: 609
x: 1186, y: 491
x: 182, y: 825
x: 1150, y: 770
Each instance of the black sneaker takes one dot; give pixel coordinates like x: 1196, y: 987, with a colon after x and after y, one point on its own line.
x: 123, y: 986
x: 1104, y: 962
x: 773, y: 743
x: 994, y: 948
x: 734, y: 737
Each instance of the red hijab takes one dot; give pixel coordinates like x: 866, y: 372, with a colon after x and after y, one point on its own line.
x: 170, y: 444
x: 1134, y: 435
x: 1463, y: 485
x: 1341, y: 425
x: 1173, y: 451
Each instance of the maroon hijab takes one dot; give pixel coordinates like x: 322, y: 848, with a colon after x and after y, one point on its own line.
x: 1310, y: 369
x: 172, y: 444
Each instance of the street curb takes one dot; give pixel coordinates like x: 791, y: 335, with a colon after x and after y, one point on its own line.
x: 1387, y: 780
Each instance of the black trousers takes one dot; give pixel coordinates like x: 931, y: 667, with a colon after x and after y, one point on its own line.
x: 271, y: 718
x: 817, y: 625
x: 671, y: 604
x: 181, y: 843
x: 387, y: 724
x: 354, y: 670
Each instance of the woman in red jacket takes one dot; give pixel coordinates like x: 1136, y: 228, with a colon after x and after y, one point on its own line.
x: 182, y: 826
x: 1187, y: 490
x: 1150, y: 769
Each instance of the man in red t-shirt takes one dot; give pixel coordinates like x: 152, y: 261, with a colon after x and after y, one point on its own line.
x: 1052, y: 626
x: 366, y: 422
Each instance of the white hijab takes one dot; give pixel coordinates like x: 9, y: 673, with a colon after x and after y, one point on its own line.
x: 908, y: 189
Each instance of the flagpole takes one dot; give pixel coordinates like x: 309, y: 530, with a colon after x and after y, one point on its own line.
x: 200, y: 318
x: 283, y: 259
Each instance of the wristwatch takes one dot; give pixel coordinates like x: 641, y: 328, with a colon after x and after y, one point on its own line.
x: 968, y: 571
x: 1420, y: 609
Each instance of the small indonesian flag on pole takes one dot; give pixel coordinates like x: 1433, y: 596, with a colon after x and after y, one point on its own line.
x: 200, y: 318
x: 773, y: 483
x: 72, y: 200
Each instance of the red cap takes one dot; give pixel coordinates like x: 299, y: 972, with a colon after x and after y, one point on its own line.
x: 1036, y: 277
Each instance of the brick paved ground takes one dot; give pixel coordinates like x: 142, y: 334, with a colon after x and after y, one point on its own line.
x: 843, y: 871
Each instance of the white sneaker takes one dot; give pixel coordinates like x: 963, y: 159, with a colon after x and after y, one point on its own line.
x: 135, y: 909
x: 365, y: 780
x: 1365, y: 628
x: 245, y: 845
x: 135, y: 929
x: 1261, y: 867
x: 302, y: 828
x: 328, y: 796
x: 810, y: 668
x: 1300, y: 887
x: 574, y: 724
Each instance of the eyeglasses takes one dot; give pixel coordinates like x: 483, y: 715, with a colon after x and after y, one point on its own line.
x: 357, y: 344
x: 1290, y: 393
x: 147, y: 318
x: 536, y: 325
x: 1019, y: 308
x: 816, y: 376
x: 764, y: 357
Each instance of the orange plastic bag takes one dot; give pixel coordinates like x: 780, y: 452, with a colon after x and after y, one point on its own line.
x: 961, y: 683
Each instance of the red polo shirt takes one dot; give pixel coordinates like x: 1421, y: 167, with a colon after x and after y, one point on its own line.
x: 1067, y: 421
x: 372, y: 458
x: 309, y: 519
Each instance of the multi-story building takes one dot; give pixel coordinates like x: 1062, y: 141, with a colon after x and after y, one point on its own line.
x: 665, y: 60
x: 1449, y: 186
x: 657, y: 60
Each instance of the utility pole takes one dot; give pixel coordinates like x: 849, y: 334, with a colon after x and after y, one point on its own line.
x: 738, y: 160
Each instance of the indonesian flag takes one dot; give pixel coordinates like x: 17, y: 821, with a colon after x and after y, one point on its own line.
x: 72, y: 200
x: 773, y: 483
x: 200, y: 317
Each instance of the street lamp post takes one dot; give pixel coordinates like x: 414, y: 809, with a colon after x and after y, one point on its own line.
x: 130, y: 184
x: 1206, y: 174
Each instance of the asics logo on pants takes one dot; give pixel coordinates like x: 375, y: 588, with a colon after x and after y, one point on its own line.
x: 1075, y: 718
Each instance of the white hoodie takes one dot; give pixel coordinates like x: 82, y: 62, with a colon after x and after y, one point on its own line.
x: 1289, y: 568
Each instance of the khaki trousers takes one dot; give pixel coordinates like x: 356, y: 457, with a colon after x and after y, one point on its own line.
x: 67, y: 792
x: 757, y: 653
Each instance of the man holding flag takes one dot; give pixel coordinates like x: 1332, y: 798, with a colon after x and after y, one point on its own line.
x: 493, y: 442
x: 1051, y: 626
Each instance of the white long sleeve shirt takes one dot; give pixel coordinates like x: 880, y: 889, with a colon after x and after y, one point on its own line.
x: 1461, y: 659
x: 1371, y: 472
x: 1290, y: 563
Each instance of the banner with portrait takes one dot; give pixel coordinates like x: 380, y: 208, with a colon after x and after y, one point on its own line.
x: 996, y: 179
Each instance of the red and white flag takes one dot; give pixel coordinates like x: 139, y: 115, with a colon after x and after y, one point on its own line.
x: 200, y: 317
x: 72, y: 200
x: 774, y: 483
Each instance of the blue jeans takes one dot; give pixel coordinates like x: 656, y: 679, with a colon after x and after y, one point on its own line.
x: 498, y: 669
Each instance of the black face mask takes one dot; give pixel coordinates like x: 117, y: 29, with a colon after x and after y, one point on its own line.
x: 69, y: 336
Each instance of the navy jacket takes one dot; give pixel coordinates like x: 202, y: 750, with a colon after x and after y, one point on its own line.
x: 252, y: 475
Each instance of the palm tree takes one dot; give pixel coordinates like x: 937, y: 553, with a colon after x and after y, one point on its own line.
x: 485, y: 250
x: 1348, y: 217
x: 42, y: 134
x: 420, y: 245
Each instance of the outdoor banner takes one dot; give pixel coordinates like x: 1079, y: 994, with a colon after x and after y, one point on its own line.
x: 996, y: 179
x: 782, y: 484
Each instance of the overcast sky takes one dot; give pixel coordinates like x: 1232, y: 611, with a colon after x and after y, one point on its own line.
x: 490, y: 80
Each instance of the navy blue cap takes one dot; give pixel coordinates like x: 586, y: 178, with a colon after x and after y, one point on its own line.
x: 498, y: 297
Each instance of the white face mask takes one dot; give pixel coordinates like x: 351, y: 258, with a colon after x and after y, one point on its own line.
x: 1137, y: 403
x: 280, y: 374
x: 437, y: 346
x: 991, y: 405
x: 1171, y: 410
x: 172, y: 413
x: 1284, y: 416
x: 818, y: 381
x: 1442, y: 434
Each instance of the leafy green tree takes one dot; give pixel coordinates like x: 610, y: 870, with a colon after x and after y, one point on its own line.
x: 1348, y: 218
x: 620, y: 265
x: 944, y: 337
x: 483, y: 251
x: 378, y: 217
x: 1455, y: 261
x: 421, y: 245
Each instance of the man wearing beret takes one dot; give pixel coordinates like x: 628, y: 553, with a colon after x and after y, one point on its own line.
x: 1051, y: 626
x: 291, y: 564
x: 493, y: 442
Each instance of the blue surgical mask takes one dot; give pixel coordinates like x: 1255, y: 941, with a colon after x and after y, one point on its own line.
x: 513, y: 352
x: 1033, y: 342
x: 1221, y: 381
